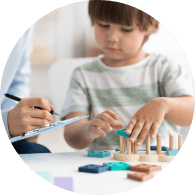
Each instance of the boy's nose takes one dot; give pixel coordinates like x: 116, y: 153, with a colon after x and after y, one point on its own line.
x: 112, y: 35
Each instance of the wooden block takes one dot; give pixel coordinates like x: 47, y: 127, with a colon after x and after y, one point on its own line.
x: 140, y: 176
x: 158, y: 144
x: 179, y: 142
x: 145, y: 168
x: 117, y: 166
x: 172, y: 152
x: 148, y: 144
x: 98, y: 153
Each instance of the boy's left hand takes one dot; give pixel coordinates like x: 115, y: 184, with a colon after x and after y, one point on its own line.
x: 146, y: 119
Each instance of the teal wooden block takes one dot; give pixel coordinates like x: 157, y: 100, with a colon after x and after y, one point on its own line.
x: 172, y: 153
x: 121, y: 132
x: 117, y: 166
x: 98, y: 153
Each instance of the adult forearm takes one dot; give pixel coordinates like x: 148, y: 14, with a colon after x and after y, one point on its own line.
x: 180, y: 110
x: 77, y: 136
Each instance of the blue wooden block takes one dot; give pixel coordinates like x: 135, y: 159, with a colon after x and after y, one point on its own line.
x: 163, y: 148
x: 121, y: 132
x: 118, y: 149
x: 93, y: 168
x: 117, y: 166
x: 172, y: 153
x: 98, y: 153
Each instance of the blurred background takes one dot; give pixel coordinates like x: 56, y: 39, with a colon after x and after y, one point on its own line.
x: 66, y: 33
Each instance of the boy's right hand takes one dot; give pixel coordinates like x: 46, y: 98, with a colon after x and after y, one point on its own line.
x: 103, y: 123
x: 24, y: 117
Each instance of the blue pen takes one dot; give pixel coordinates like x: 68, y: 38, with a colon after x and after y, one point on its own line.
x: 18, y: 99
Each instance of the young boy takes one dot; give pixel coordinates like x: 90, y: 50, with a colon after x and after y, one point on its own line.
x: 150, y: 92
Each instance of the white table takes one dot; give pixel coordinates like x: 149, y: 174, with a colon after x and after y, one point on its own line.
x: 66, y: 165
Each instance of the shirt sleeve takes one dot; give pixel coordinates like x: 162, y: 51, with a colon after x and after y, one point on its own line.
x: 174, y: 79
x: 76, y: 98
x: 20, y: 84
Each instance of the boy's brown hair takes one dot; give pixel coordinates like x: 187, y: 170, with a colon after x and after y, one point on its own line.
x: 119, y: 13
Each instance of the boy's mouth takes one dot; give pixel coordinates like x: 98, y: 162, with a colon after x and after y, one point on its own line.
x: 113, y: 49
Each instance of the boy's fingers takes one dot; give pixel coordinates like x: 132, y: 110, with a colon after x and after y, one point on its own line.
x: 98, y: 131
x: 107, y: 118
x: 143, y: 134
x: 154, y: 130
x: 112, y: 114
x: 130, y: 126
x: 118, y: 126
x: 137, y: 128
x: 105, y: 126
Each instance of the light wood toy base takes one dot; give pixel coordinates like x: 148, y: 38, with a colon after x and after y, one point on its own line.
x: 142, y: 156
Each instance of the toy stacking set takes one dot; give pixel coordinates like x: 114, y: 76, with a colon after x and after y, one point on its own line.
x: 129, y: 152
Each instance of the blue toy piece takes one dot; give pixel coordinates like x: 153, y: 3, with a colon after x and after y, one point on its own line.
x: 93, y: 168
x: 118, y: 149
x: 98, y: 153
x: 172, y: 152
x: 122, y: 132
x: 163, y: 148
x: 117, y: 166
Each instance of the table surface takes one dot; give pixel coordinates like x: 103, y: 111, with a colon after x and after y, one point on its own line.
x: 66, y: 165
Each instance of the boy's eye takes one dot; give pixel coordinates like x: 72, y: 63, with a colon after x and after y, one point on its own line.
x: 127, y: 30
x: 104, y: 25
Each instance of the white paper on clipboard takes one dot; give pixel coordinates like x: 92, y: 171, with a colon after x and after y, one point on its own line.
x: 46, y: 128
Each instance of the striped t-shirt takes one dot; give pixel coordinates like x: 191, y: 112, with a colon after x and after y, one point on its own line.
x: 95, y: 87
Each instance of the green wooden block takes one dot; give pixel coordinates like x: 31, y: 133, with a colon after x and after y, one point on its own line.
x: 121, y: 132
x: 98, y: 153
x: 172, y: 153
x: 117, y: 166
x: 46, y: 175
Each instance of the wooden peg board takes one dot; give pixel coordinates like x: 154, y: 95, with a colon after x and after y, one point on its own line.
x: 142, y: 156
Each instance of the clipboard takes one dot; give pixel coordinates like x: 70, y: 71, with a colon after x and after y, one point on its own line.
x: 46, y: 128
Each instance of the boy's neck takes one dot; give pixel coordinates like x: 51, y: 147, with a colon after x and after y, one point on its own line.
x: 130, y: 61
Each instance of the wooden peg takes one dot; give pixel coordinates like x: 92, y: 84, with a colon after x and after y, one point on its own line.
x: 122, y: 144
x: 169, y: 140
x: 171, y: 143
x: 128, y: 147
x: 158, y: 144
x: 148, y: 144
x: 179, y: 142
x: 132, y: 148
x: 135, y: 147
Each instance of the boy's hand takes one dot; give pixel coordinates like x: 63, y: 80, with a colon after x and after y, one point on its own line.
x: 146, y: 119
x: 103, y: 123
x: 24, y: 117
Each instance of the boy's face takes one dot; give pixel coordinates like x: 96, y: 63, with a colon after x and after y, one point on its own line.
x: 119, y: 42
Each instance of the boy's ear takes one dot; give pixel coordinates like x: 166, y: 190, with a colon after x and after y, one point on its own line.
x: 149, y: 31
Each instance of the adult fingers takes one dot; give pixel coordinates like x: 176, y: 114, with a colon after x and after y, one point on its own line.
x: 38, y: 102
x: 38, y: 122
x: 42, y: 114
